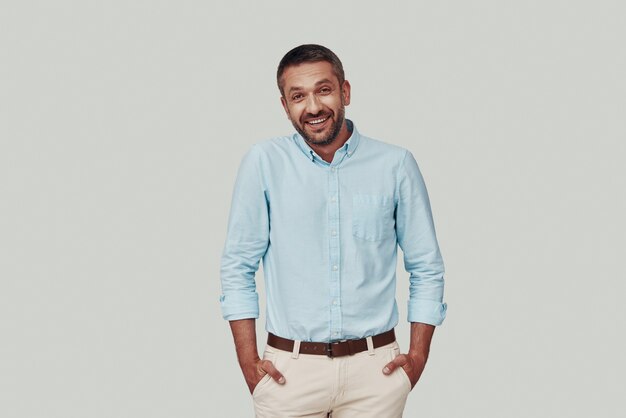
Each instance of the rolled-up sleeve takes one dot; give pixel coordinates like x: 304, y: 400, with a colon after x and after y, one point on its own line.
x: 246, y: 241
x: 416, y: 236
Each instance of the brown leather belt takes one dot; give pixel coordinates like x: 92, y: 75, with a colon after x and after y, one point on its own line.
x: 336, y: 349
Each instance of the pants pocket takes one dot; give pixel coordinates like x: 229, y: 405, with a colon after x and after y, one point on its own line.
x: 267, y: 355
x: 400, y: 370
x: 261, y: 383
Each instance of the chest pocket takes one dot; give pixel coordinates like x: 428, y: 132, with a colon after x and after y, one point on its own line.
x: 372, y: 217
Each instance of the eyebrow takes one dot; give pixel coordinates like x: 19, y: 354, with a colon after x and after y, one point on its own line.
x: 323, y: 81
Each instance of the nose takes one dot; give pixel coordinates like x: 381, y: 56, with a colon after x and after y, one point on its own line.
x: 313, y: 105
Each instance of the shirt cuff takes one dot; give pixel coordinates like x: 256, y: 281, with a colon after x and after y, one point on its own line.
x: 426, y: 311
x: 240, y: 306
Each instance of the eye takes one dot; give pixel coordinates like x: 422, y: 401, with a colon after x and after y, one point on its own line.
x: 296, y: 97
x: 325, y: 90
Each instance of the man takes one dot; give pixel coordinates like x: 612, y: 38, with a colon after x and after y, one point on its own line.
x: 326, y: 209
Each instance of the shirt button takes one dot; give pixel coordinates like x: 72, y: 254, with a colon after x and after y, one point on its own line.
x: 335, y: 267
x: 332, y: 169
x: 335, y: 302
x: 333, y: 233
x: 332, y: 199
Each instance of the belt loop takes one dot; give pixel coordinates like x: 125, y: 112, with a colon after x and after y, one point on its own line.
x: 370, y: 346
x: 296, y: 349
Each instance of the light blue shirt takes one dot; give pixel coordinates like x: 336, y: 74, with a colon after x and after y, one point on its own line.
x: 328, y: 237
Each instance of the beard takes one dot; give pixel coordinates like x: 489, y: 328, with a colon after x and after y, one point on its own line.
x: 333, y: 132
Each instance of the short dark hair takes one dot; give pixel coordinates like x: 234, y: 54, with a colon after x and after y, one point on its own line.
x: 309, y: 53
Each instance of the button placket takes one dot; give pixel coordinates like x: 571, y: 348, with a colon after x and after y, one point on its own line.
x: 334, y: 253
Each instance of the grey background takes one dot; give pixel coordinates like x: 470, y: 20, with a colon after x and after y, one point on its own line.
x: 122, y: 124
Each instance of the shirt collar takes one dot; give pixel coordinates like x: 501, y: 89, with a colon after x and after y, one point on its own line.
x: 348, y: 147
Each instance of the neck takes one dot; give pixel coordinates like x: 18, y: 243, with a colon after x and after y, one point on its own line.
x: 327, y: 152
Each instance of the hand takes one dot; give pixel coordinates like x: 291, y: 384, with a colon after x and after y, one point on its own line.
x: 413, y: 365
x: 257, y: 370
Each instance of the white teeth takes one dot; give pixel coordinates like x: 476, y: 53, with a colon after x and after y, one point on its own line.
x: 316, y: 121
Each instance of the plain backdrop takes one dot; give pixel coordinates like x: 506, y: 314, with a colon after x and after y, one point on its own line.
x: 122, y: 124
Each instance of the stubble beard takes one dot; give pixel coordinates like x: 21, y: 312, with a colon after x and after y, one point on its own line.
x: 332, y: 134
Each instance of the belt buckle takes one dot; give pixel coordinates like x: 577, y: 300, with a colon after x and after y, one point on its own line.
x: 329, y: 350
x: 349, y: 343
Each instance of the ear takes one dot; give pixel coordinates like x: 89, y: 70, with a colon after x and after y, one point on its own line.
x: 284, y: 103
x: 345, y: 93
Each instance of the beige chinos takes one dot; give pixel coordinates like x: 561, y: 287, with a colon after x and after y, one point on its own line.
x: 348, y: 387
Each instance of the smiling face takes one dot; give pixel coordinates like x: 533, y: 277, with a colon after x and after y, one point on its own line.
x: 315, y: 102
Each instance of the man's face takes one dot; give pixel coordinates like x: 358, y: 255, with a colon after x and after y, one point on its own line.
x: 314, y: 101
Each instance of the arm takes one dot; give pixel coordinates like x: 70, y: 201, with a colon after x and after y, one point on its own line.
x: 253, y: 368
x: 421, y: 336
x: 415, y: 230
x: 247, y: 239
x: 422, y: 260
x: 246, y: 243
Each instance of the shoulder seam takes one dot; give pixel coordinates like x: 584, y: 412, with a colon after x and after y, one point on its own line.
x: 400, y: 168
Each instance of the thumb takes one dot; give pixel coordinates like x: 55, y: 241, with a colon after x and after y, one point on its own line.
x: 269, y: 368
x: 399, y: 361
